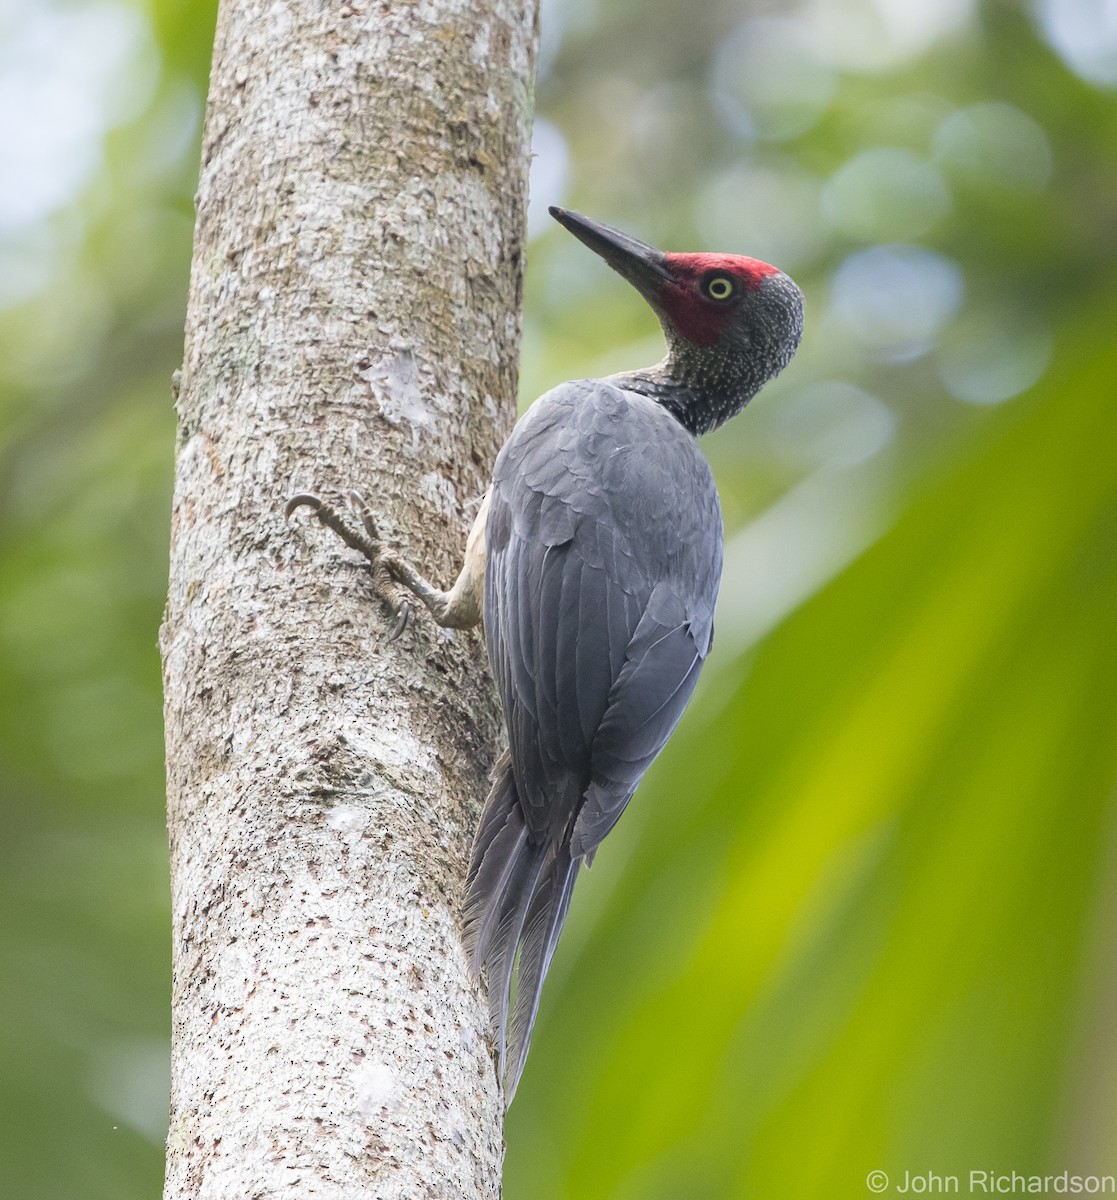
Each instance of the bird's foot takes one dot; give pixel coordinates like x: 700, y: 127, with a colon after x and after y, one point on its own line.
x: 366, y: 541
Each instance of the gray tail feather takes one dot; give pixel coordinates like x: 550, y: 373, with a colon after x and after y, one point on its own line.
x: 545, y: 917
x: 517, y: 897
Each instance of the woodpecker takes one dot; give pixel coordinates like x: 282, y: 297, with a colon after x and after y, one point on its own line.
x: 594, y: 561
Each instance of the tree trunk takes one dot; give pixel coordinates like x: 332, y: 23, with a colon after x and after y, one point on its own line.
x: 353, y: 321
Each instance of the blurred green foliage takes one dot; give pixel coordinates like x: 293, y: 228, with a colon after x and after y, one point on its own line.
x: 862, y: 914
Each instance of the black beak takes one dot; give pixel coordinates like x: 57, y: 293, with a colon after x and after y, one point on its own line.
x: 643, y: 266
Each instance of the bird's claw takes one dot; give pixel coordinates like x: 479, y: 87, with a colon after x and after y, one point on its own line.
x: 402, y: 621
x: 361, y: 510
x: 389, y: 595
x: 367, y: 542
x: 301, y: 500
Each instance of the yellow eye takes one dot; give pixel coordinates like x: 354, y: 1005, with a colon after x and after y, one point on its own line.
x: 719, y: 287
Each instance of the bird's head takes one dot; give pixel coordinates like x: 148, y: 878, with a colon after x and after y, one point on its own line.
x: 731, y: 322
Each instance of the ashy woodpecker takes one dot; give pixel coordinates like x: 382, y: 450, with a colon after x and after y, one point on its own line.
x: 594, y: 561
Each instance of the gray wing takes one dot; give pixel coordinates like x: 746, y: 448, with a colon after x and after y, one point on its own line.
x: 604, y: 555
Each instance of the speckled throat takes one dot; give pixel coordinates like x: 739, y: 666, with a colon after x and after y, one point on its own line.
x: 701, y: 387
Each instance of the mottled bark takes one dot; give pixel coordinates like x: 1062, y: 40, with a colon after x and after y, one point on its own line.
x: 353, y: 321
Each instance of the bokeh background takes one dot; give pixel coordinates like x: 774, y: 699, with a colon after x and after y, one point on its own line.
x: 863, y: 914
